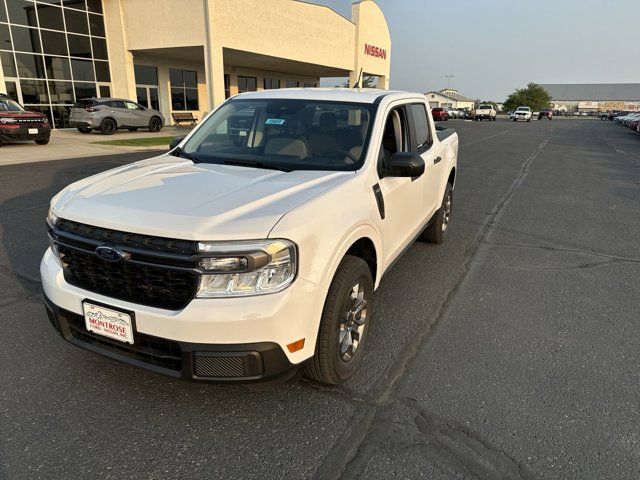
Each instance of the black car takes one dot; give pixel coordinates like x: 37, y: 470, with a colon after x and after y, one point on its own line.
x: 17, y: 124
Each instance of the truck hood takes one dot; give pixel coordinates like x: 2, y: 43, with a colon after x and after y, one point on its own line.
x: 172, y: 197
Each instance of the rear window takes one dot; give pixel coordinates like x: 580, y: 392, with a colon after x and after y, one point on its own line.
x: 437, y: 109
x: 483, y: 107
x: 85, y: 103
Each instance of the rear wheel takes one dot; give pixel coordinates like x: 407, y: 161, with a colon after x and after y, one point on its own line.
x: 345, y: 323
x: 108, y: 126
x: 84, y: 129
x: 435, y: 232
x: 155, y: 124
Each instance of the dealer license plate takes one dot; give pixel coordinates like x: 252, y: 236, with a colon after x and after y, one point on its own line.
x: 108, y: 323
x: 33, y: 131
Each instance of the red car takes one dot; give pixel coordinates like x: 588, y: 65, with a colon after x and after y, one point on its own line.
x: 635, y: 125
x: 16, y: 123
x: 440, y: 114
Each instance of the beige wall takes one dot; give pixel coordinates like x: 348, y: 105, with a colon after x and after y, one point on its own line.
x: 286, y: 29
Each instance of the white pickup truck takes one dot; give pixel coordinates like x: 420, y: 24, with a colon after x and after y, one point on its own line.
x: 521, y: 113
x: 484, y: 112
x: 253, y: 248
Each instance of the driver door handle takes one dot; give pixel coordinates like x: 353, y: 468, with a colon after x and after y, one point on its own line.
x: 437, y: 160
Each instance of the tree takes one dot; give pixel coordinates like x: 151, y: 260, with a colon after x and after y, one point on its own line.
x: 534, y: 96
x: 369, y: 81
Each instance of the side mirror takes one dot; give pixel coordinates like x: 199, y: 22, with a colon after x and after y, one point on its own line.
x: 405, y: 164
x: 175, y: 142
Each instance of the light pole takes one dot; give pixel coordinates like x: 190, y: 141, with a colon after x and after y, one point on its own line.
x: 449, y: 77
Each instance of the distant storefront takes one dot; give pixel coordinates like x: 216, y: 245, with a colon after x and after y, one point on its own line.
x: 595, y: 96
x: 180, y: 56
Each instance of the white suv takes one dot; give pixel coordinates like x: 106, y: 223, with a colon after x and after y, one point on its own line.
x: 522, y: 113
x: 254, y: 246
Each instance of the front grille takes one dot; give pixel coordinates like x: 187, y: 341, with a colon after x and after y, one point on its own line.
x: 152, y: 350
x: 127, y: 239
x: 28, y: 121
x: 154, y: 286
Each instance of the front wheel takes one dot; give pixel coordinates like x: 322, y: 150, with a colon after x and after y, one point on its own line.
x: 437, y: 229
x: 345, y: 323
x: 44, y: 141
x: 155, y: 124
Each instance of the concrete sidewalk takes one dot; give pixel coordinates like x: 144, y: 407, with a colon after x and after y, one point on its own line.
x: 70, y: 143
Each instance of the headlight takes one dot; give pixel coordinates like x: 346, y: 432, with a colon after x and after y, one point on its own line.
x: 45, y: 120
x: 52, y: 218
x: 8, y: 120
x: 246, y: 268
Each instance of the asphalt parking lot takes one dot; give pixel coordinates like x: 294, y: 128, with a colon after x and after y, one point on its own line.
x: 510, y: 352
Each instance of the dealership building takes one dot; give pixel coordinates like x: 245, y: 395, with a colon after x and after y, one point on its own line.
x: 449, y: 97
x: 589, y: 97
x: 181, y: 55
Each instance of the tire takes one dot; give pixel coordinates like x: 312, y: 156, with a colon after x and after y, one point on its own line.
x: 515, y: 120
x: 329, y: 364
x: 528, y: 120
x: 84, y: 129
x: 437, y: 229
x: 44, y: 141
x: 133, y: 129
x: 155, y: 124
x: 108, y: 126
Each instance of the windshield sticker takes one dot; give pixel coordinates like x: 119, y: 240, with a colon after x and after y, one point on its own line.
x: 275, y: 121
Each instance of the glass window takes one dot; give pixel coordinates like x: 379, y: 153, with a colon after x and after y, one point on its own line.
x: 100, y: 48
x: 247, y: 84
x: 34, y: 91
x: 190, y: 79
x: 85, y: 90
x: 177, y: 99
x: 146, y: 75
x: 61, y: 116
x: 44, y: 109
x: 131, y: 106
x: 291, y: 84
x: 82, y: 70
x: 175, y: 77
x: 227, y: 86
x: 26, y: 39
x: 54, y: 43
x: 57, y: 68
x: 5, y: 37
x: 30, y: 66
x: 3, y: 13
x: 102, y: 72
x: 76, y: 21
x: 12, y: 90
x: 192, y: 98
x: 141, y: 96
x: 183, y: 95
x: 79, y: 46
x: 96, y: 23
x: 50, y: 2
x: 50, y: 17
x: 277, y: 133
x: 271, y: 83
x: 22, y: 12
x: 94, y: 6
x: 61, y: 92
x: 155, y: 101
x: 421, y: 124
x: 79, y: 4
x: 8, y: 64
x: 105, y: 91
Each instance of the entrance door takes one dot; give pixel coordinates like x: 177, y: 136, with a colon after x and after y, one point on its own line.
x: 148, y: 96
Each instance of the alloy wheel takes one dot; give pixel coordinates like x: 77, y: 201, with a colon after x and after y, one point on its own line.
x: 353, y: 322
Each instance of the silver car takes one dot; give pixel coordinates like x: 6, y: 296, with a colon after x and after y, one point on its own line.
x: 109, y: 114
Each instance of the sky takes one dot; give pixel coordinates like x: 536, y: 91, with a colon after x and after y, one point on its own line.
x: 493, y: 47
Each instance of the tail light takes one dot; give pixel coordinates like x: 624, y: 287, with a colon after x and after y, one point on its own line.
x: 91, y: 109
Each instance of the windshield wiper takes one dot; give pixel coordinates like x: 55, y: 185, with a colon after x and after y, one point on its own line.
x: 179, y: 152
x: 256, y: 164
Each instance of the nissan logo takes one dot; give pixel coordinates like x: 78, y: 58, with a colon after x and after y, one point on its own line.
x: 110, y: 254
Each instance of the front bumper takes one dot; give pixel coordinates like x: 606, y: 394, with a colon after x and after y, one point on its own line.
x: 19, y: 133
x: 245, y: 338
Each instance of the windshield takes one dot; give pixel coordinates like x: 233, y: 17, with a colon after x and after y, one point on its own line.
x: 8, y: 105
x: 284, y: 134
x: 523, y: 109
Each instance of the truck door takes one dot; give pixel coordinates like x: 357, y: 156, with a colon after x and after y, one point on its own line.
x: 424, y: 143
x: 402, y: 196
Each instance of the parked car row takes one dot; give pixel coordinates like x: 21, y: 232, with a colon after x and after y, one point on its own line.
x: 629, y: 120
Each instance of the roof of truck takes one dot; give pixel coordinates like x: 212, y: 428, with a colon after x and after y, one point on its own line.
x: 358, y: 95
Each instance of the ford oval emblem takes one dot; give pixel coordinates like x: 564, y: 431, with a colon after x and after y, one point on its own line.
x: 110, y: 254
